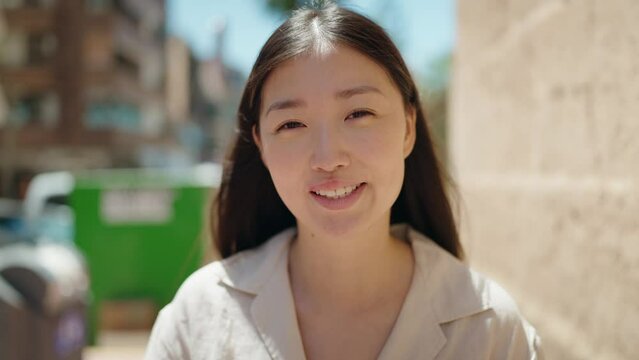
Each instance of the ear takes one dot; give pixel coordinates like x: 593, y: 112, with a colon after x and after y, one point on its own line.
x: 409, y: 137
x: 258, y: 141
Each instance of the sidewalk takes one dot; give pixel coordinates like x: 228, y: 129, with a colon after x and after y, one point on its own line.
x: 118, y: 345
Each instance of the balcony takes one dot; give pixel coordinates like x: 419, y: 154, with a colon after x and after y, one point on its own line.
x: 29, y: 20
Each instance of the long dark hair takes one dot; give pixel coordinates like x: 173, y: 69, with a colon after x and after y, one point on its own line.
x: 248, y: 209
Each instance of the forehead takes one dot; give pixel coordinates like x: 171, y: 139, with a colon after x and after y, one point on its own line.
x: 316, y: 73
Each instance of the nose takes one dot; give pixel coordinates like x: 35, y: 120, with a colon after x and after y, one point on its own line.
x: 329, y: 153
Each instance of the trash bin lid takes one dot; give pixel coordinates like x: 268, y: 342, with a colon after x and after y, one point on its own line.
x: 48, y: 276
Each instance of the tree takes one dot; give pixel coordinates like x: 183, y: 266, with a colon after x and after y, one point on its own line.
x: 285, y: 6
x: 435, y: 88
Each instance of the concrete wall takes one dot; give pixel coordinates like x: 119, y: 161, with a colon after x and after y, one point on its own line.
x: 545, y: 146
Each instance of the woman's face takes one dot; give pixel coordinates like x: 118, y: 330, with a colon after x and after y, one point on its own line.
x: 334, y: 133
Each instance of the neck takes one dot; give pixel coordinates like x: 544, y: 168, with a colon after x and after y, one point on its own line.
x: 355, y: 270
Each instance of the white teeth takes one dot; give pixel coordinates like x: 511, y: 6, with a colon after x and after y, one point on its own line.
x: 337, y: 193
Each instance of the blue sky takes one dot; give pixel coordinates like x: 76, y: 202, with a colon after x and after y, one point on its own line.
x: 422, y: 29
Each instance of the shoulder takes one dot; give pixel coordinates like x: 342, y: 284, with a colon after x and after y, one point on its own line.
x: 472, y: 308
x: 244, y: 271
x: 200, y: 315
x: 196, y: 302
x: 201, y: 287
x: 456, y: 289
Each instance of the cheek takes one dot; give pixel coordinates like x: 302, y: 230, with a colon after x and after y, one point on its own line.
x: 382, y: 146
x: 383, y: 152
x: 282, y: 156
x: 285, y: 163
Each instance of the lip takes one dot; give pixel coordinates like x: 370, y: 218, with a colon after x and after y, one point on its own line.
x: 337, y: 204
x: 332, y: 185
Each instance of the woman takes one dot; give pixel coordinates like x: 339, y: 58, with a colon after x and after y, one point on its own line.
x: 332, y: 149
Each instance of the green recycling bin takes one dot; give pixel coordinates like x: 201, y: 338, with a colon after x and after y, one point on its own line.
x: 141, y: 232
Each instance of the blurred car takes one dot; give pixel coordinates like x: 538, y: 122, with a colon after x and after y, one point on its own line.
x: 11, y: 216
x: 47, y: 214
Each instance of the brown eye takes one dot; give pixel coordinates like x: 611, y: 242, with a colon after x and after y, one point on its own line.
x: 358, y: 114
x: 290, y: 125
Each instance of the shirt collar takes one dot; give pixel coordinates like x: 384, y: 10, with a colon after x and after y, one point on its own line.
x: 443, y: 289
x: 250, y: 270
x: 451, y: 288
x: 263, y: 272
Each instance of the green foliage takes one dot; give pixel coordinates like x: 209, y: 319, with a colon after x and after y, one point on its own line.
x: 438, y: 73
x: 282, y: 5
x: 435, y: 86
x: 286, y: 6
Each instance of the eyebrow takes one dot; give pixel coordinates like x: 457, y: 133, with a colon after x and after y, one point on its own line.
x: 285, y: 104
x: 358, y: 90
x: 342, y: 94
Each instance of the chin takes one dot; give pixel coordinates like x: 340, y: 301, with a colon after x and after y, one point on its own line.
x: 338, y: 226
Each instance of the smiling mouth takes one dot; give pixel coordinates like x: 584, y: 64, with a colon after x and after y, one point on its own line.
x: 338, y: 193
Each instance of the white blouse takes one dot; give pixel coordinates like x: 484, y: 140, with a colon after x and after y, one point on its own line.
x: 242, y: 308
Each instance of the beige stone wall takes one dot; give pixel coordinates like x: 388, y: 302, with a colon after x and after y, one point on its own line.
x: 545, y: 146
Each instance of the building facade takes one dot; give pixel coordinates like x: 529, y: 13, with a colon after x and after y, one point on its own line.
x: 544, y: 143
x: 84, y: 84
